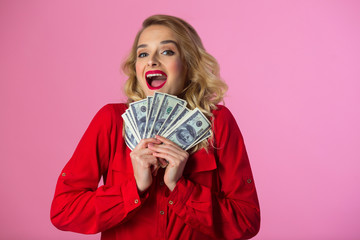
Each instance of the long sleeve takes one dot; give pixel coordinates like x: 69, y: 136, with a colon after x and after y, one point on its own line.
x: 231, y: 210
x: 79, y: 205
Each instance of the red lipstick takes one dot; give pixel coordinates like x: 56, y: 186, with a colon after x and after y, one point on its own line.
x: 155, y: 79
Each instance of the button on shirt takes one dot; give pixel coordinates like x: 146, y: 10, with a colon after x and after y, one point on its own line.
x: 215, y: 197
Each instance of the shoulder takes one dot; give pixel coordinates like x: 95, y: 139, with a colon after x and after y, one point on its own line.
x: 110, y: 113
x: 224, y: 123
x: 222, y: 114
x: 112, y: 109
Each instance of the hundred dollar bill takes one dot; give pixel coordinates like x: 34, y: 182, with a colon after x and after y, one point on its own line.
x: 129, y: 144
x: 132, y: 122
x: 128, y: 123
x: 130, y: 139
x: 189, y: 129
x: 149, y: 102
x: 174, y: 113
x: 174, y: 122
x: 155, y: 106
x: 202, y: 138
x: 167, y: 105
x: 139, y: 112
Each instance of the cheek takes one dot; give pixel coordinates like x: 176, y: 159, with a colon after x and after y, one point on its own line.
x: 177, y: 67
x: 137, y: 69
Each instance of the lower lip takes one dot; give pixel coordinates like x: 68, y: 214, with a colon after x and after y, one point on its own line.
x: 155, y: 88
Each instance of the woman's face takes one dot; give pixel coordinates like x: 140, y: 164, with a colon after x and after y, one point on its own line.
x: 158, y: 63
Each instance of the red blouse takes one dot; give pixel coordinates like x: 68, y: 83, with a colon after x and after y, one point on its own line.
x: 215, y: 198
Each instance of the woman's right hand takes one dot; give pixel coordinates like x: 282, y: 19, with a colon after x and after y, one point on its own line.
x: 144, y: 164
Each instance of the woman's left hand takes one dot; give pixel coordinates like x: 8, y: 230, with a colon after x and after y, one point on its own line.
x: 175, y: 155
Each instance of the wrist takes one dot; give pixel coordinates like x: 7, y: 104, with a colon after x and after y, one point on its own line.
x: 171, y: 186
x: 142, y: 193
x: 142, y: 189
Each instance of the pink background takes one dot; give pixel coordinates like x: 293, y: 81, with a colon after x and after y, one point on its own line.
x: 293, y: 71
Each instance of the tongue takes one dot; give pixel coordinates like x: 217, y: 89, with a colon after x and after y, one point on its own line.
x: 157, y: 83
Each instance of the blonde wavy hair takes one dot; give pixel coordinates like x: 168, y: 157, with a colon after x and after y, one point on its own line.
x: 203, y: 88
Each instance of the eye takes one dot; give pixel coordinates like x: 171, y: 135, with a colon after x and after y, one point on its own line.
x: 168, y: 52
x: 141, y: 55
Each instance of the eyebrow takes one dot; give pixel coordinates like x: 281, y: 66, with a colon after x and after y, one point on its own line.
x: 162, y: 42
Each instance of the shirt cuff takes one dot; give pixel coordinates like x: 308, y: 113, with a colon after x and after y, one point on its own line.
x: 179, y: 196
x: 132, y: 200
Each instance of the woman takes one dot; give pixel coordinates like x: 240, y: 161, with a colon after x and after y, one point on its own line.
x: 205, y: 193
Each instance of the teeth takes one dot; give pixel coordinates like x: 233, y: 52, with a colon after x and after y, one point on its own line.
x: 154, y: 75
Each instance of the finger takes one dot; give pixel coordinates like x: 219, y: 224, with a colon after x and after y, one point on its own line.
x: 169, y: 149
x: 140, y: 153
x: 166, y: 141
x: 144, y: 142
x: 155, y: 170
x: 147, y: 161
x: 145, y: 151
x: 163, y: 162
x: 166, y: 146
x: 153, y: 164
x: 172, y: 160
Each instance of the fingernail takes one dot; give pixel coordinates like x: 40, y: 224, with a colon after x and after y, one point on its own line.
x: 150, y: 145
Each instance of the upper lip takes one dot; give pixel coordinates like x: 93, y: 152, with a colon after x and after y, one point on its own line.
x: 154, y: 72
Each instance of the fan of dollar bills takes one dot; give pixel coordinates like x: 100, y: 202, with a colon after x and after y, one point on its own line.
x: 167, y: 116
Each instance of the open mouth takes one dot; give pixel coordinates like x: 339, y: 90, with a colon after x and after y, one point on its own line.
x: 155, y: 79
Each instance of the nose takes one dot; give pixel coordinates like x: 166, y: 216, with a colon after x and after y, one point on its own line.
x: 153, y: 61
